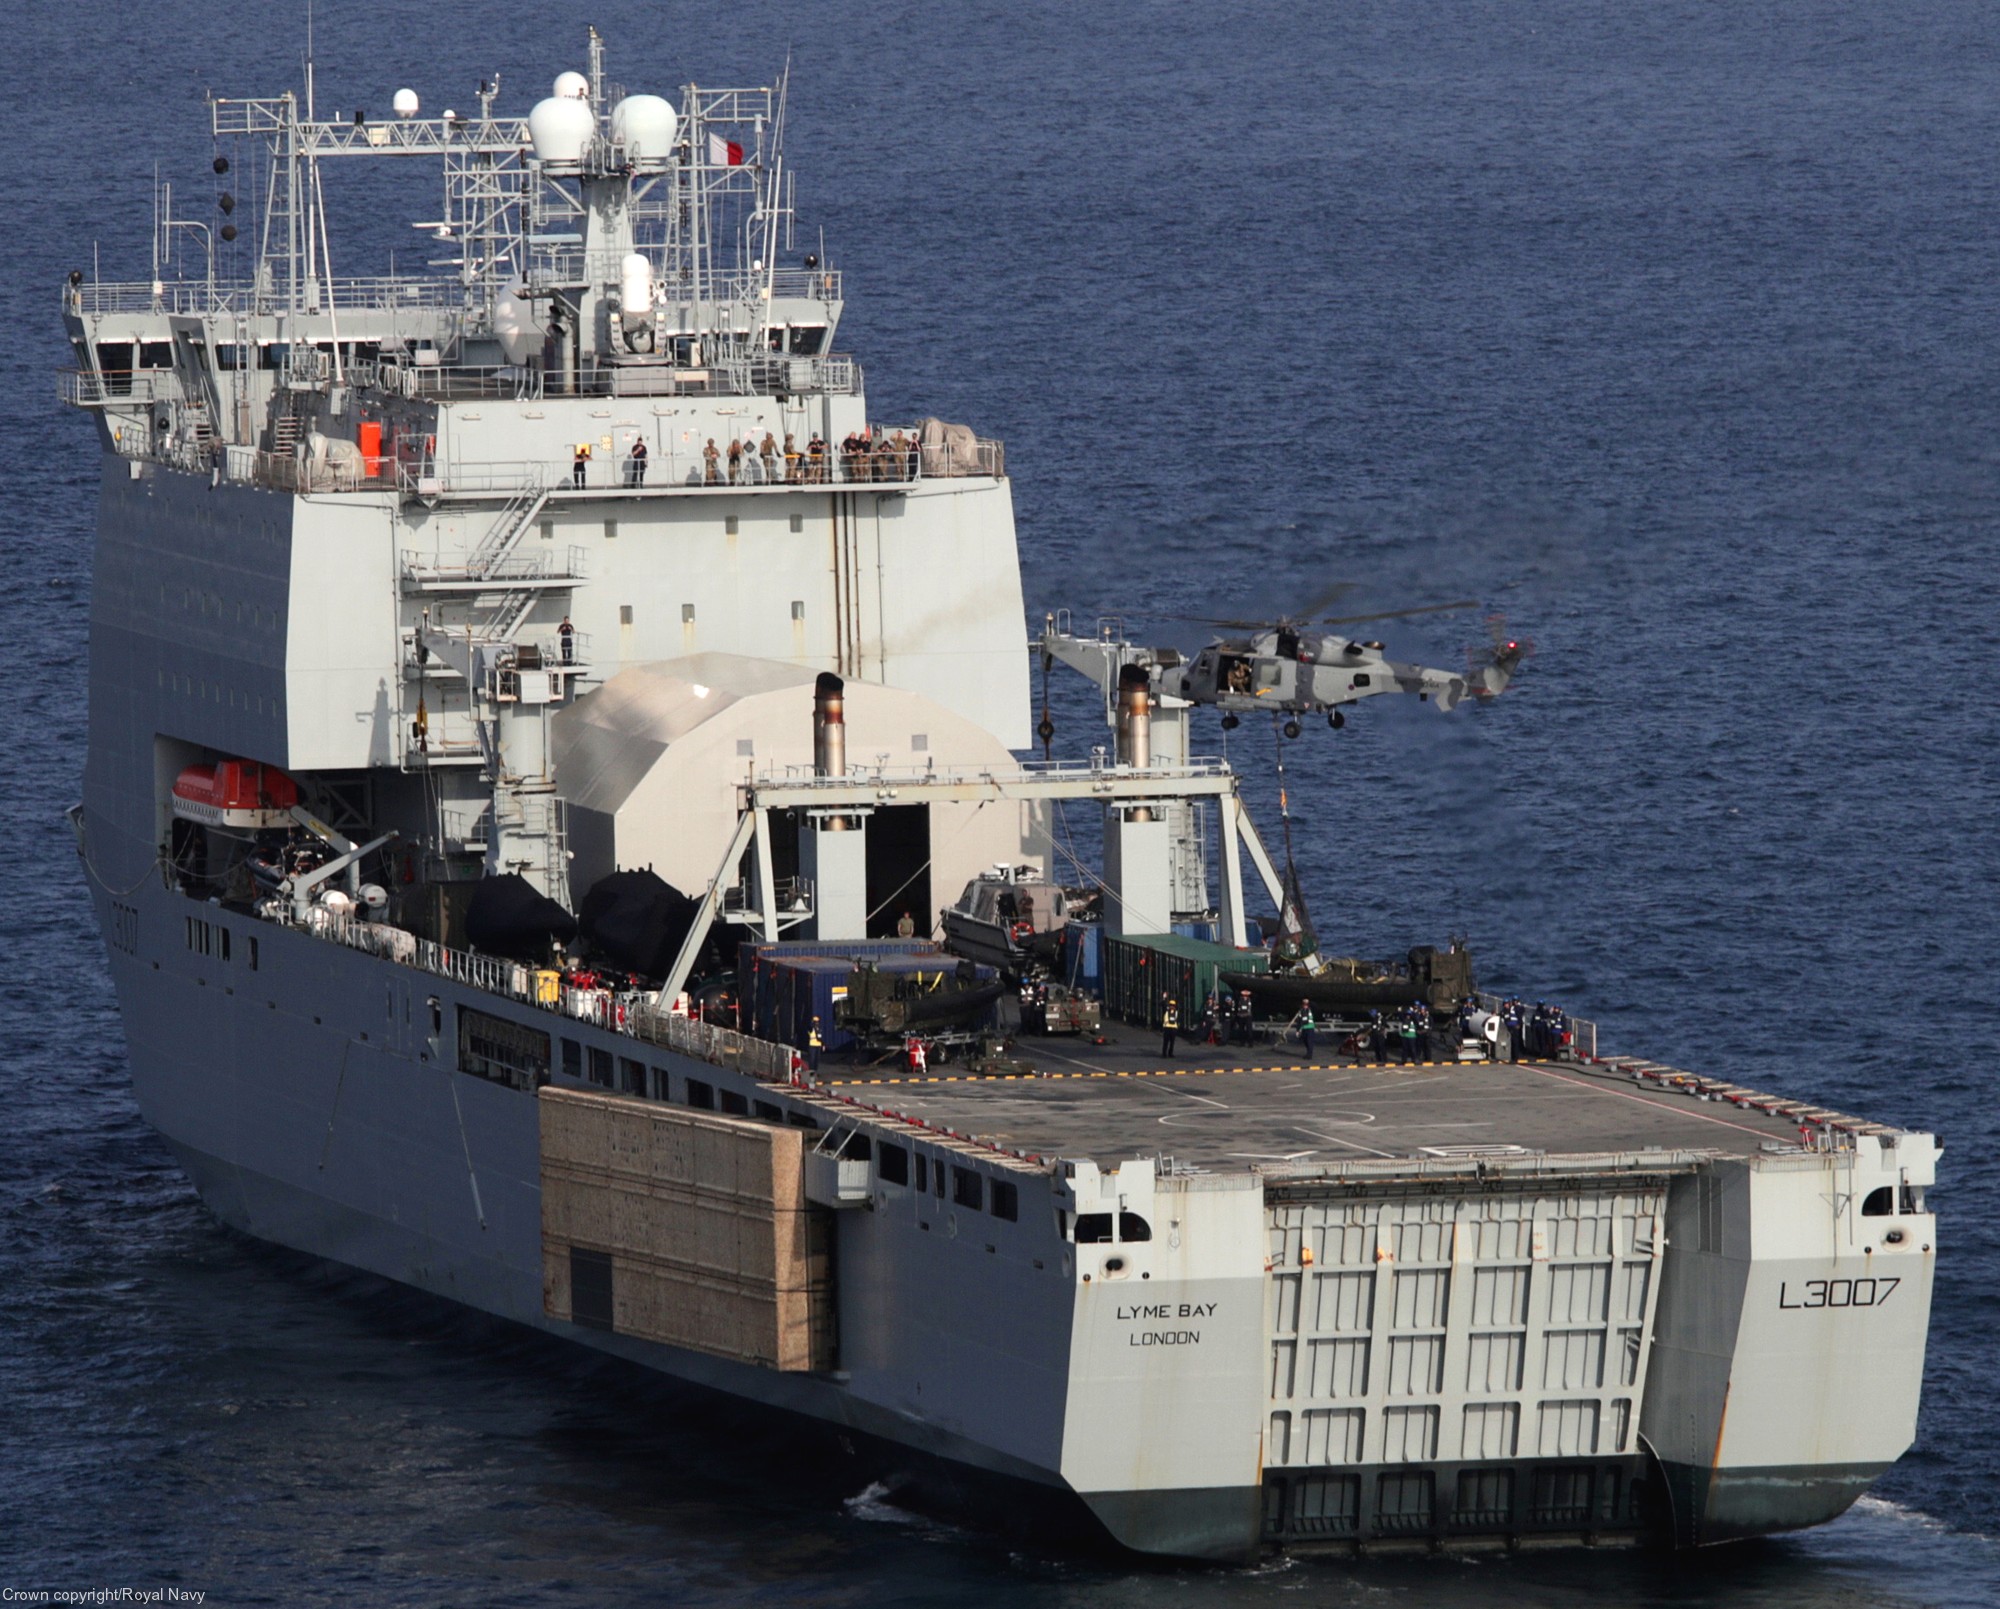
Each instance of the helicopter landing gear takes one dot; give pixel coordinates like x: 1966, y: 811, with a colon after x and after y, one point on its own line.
x: 1335, y: 719
x: 1230, y: 723
x: 1292, y: 729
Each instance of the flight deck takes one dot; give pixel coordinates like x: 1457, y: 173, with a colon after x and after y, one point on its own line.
x: 1264, y: 1107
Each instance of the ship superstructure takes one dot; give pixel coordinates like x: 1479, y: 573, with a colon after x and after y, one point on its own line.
x: 436, y: 615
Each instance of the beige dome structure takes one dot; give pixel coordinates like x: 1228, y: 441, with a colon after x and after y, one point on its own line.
x: 648, y: 765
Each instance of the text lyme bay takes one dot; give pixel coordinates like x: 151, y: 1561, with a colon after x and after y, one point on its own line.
x: 1165, y: 1310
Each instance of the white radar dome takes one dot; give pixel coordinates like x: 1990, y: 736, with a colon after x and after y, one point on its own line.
x: 405, y: 103
x: 515, y: 326
x: 646, y: 125
x: 560, y: 128
x: 572, y: 87
x: 635, y: 285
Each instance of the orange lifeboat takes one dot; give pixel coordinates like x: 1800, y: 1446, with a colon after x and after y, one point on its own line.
x: 235, y: 793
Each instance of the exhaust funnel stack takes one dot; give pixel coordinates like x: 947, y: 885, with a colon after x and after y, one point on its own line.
x: 829, y: 726
x: 1135, y: 726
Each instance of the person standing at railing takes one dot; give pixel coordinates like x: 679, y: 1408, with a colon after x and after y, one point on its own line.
x: 793, y: 458
x: 566, y: 635
x: 767, y: 450
x: 711, y: 459
x: 635, y: 465
x: 816, y: 460
x: 580, y: 464
x: 735, y: 461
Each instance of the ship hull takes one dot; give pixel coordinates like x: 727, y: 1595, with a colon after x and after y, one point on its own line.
x: 360, y: 1145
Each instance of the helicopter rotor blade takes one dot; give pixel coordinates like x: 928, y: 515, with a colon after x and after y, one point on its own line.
x: 1325, y: 596
x: 1288, y: 617
x: 1400, y: 614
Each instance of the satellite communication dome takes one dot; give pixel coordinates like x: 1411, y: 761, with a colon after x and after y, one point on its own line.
x: 572, y: 87
x: 560, y: 128
x: 405, y: 103
x: 646, y: 125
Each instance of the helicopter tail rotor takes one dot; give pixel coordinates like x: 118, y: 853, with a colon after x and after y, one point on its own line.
x: 1492, y: 671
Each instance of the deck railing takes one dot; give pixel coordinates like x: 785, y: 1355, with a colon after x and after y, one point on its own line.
x: 88, y: 388
x: 628, y: 1012
x: 384, y: 292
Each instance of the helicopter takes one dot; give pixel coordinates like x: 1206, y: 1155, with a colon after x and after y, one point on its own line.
x: 1294, y: 669
x: 1289, y: 667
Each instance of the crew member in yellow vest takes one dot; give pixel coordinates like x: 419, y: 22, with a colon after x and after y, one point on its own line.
x: 1170, y: 1025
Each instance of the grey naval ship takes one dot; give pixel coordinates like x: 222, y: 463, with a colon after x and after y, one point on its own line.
x: 537, y: 718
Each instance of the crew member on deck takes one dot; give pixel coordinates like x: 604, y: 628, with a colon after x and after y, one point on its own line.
x: 906, y: 927
x: 580, y: 465
x: 1170, y: 1025
x: 815, y: 1043
x: 710, y: 459
x: 566, y: 635
x: 635, y: 466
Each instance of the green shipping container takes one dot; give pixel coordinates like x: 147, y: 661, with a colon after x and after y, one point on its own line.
x: 1142, y: 969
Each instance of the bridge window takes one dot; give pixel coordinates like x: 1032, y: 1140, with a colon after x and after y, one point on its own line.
x: 600, y: 1066
x: 734, y: 1104
x: 968, y: 1189
x: 1006, y: 1200
x: 1093, y: 1229
x: 701, y: 1096
x: 1132, y: 1227
x: 808, y: 340
x: 894, y: 1165
x: 1879, y: 1202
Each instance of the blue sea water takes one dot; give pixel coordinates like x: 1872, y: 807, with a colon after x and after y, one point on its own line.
x: 1668, y: 331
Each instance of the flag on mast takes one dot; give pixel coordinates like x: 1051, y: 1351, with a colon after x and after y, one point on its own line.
x: 724, y: 153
